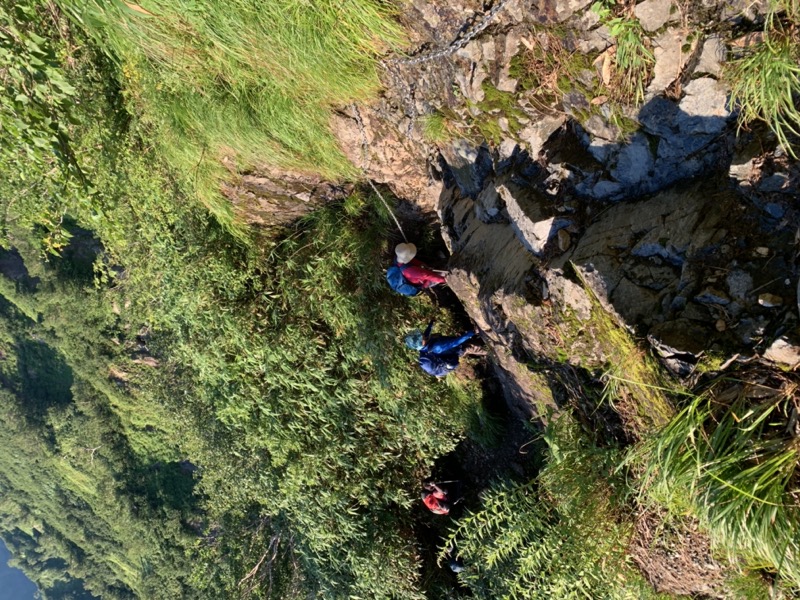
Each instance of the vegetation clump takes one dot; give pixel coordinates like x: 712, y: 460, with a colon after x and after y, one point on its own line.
x: 729, y: 458
x: 561, y: 535
x: 765, y: 80
x: 633, y: 59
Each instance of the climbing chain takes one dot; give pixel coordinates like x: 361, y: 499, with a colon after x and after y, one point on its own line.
x: 455, y: 45
x: 367, y: 158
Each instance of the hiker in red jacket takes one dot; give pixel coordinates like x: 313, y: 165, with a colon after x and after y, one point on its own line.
x: 435, y: 498
x: 415, y: 272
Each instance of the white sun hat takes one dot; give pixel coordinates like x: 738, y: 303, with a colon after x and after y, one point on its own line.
x: 405, y: 252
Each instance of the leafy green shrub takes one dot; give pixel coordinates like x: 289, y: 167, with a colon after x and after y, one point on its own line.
x: 561, y: 535
x: 36, y: 110
x: 36, y: 100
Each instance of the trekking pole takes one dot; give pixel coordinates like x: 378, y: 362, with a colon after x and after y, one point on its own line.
x: 403, y: 233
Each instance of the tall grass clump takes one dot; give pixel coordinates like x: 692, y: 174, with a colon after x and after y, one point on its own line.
x: 632, y: 383
x: 220, y: 86
x: 727, y: 458
x: 765, y: 81
x: 633, y: 59
x: 562, y: 535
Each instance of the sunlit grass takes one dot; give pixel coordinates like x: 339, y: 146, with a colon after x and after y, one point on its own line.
x: 765, y: 82
x: 726, y: 458
x: 244, y: 82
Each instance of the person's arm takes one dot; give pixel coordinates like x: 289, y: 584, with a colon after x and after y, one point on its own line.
x: 427, y: 335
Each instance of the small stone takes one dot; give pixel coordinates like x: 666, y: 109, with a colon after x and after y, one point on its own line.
x: 670, y: 60
x: 564, y: 240
x: 537, y: 134
x: 502, y: 123
x: 505, y: 83
x: 705, y: 99
x: 782, y: 351
x: 597, y: 126
x: 566, y: 8
x: 487, y: 50
x: 587, y: 77
x: 741, y: 170
x: 606, y: 189
x: 774, y: 183
x: 653, y: 14
x: 721, y: 325
x: 739, y: 283
x: 712, y: 296
x: 507, y: 148
x: 770, y: 300
x: 761, y: 251
x: 574, y: 102
x: 472, y: 51
x: 713, y: 55
x: 774, y: 210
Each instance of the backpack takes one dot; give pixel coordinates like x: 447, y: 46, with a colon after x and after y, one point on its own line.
x: 399, y: 283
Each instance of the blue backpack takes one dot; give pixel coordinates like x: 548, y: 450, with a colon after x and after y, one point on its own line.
x: 399, y: 283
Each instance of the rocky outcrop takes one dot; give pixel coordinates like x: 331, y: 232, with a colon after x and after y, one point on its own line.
x: 705, y: 266
x: 274, y: 198
x: 391, y: 151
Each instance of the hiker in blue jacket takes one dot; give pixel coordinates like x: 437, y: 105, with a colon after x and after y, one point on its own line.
x: 439, y: 354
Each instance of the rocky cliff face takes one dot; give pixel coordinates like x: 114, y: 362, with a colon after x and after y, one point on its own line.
x: 677, y: 225
x: 703, y: 266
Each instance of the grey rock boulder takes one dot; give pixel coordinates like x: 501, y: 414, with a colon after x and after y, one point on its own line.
x: 670, y: 60
x: 654, y: 14
x: 705, y: 107
x: 537, y: 133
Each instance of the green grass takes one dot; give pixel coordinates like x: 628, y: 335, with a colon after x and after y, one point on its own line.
x: 562, y: 535
x: 435, y: 128
x: 634, y: 383
x: 728, y: 460
x: 548, y: 69
x: 245, y: 82
x: 495, y: 105
x: 633, y: 58
x: 765, y: 82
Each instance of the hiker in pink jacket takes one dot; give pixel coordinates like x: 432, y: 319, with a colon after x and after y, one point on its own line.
x: 416, y: 273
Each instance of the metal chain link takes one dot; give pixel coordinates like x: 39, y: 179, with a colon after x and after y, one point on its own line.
x: 457, y: 44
